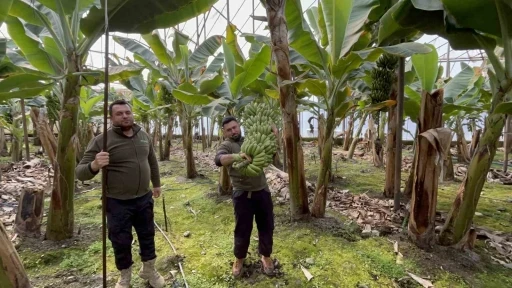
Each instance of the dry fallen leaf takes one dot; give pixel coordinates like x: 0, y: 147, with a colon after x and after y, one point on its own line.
x: 423, y: 282
x: 306, y: 273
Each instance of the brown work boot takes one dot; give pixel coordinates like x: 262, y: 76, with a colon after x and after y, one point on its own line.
x: 238, y: 265
x: 268, y: 265
x: 148, y: 272
x: 125, y: 278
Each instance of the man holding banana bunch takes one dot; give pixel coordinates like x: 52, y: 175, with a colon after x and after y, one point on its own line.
x: 251, y: 197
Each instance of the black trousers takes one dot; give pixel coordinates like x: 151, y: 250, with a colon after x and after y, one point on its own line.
x: 122, y: 215
x: 250, y: 205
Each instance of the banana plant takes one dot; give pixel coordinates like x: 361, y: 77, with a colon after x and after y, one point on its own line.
x: 58, y: 55
x: 333, y: 59
x: 89, y: 108
x: 486, y: 26
x: 183, y: 74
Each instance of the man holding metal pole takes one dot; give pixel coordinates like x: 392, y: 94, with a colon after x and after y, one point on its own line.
x: 131, y: 164
x: 251, y: 199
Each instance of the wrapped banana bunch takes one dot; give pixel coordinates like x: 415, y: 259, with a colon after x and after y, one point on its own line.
x: 260, y: 142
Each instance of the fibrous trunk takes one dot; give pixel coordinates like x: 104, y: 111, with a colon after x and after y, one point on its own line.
x: 61, y: 217
x: 462, y: 146
x: 356, y: 137
x: 168, y: 139
x: 203, y: 135
x: 25, y: 130
x: 322, y: 184
x: 378, y: 155
x: 428, y: 161
x: 210, y: 134
x: 287, y: 99
x: 389, y: 188
x: 189, y: 152
x: 30, y: 212
x: 348, y: 133
x: 448, y: 172
x: 321, y: 133
x: 460, y: 217
x: 507, y: 142
x: 12, y: 272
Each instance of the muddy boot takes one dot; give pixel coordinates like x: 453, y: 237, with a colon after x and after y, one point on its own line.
x: 268, y: 265
x: 238, y: 265
x: 125, y: 278
x: 148, y: 272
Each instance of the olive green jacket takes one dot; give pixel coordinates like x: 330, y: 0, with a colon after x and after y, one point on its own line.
x: 132, y: 163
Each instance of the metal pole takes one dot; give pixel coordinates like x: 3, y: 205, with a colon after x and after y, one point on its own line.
x: 448, y: 68
x: 253, y: 21
x: 505, y: 142
x: 105, y: 148
x: 399, y: 127
x: 229, y: 19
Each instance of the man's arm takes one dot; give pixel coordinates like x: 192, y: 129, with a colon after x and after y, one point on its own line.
x: 225, y: 157
x: 153, y: 165
x: 84, y: 170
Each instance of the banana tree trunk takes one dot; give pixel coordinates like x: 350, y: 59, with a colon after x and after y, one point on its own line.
x: 48, y: 140
x: 408, y: 184
x: 25, y: 130
x: 168, y: 139
x: 462, y: 145
x: 61, y: 215
x: 322, y: 184
x: 348, y: 133
x: 460, y: 217
x: 12, y: 272
x: 16, y: 155
x: 321, y: 133
x: 161, y: 148
x: 189, y: 152
x: 210, y: 133
x: 382, y: 126
x: 356, y: 138
x: 203, y: 134
x: 378, y: 156
x: 448, y: 172
x: 428, y: 168
x: 507, y: 141
x: 389, y: 188
x: 34, y: 115
x: 3, y: 147
x: 474, y: 141
x: 295, y: 159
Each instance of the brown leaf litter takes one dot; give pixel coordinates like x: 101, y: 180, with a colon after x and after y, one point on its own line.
x: 15, y: 177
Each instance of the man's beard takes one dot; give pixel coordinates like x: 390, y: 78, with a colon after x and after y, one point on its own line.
x: 236, y: 138
x: 123, y: 126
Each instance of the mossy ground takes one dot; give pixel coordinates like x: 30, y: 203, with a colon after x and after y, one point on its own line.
x: 338, y: 257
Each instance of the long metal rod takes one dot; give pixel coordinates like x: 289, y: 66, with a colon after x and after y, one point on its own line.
x: 105, y: 148
x: 399, y: 128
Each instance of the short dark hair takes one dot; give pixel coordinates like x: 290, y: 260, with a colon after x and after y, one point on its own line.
x: 228, y: 119
x: 117, y: 102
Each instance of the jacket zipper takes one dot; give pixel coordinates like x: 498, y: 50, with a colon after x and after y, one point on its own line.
x: 136, y: 155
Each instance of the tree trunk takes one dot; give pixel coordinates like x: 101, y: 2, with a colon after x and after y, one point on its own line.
x: 210, y: 134
x: 356, y: 137
x: 449, y: 174
x: 474, y: 141
x: 507, y: 141
x: 16, y: 154
x: 462, y: 145
x: 161, y: 148
x: 12, y: 273
x: 376, y: 144
x: 321, y: 133
x: 34, y: 115
x: 189, y: 152
x: 295, y: 159
x: 389, y: 188
x: 322, y: 184
x: 61, y: 215
x: 348, y: 133
x: 48, y: 140
x: 203, y: 134
x: 428, y: 168
x: 460, y: 217
x: 382, y: 121
x: 408, y: 184
x: 168, y: 139
x: 30, y: 212
x: 3, y: 142
x: 25, y: 130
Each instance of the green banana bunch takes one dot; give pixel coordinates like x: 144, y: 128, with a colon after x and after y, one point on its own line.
x: 383, y: 78
x: 260, y: 142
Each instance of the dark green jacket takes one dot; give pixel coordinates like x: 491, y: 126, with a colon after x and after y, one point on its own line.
x: 240, y: 183
x: 132, y: 163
